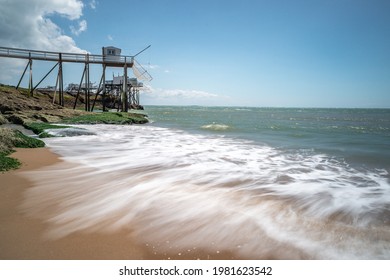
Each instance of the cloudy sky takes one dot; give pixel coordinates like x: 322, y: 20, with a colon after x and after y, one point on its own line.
x: 302, y: 53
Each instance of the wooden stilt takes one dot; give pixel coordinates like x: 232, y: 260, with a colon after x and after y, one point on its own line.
x: 47, y: 74
x: 104, y: 88
x: 24, y: 72
x: 55, y: 91
x: 87, y: 93
x: 60, y: 81
x: 78, y: 91
x: 97, y: 93
x: 125, y: 102
x: 112, y: 58
x: 30, y: 84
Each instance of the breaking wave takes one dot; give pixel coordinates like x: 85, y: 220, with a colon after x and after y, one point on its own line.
x: 181, y: 191
x: 216, y: 127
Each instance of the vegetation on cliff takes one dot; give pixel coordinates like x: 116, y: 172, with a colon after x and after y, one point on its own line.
x: 16, y: 107
x: 38, y: 113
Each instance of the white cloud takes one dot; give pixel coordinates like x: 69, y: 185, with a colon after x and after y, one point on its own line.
x: 81, y: 28
x: 10, y: 68
x: 27, y: 24
x: 109, y: 37
x: 189, y: 93
x: 151, y: 95
x: 155, y: 67
x: 93, y: 4
x: 151, y: 66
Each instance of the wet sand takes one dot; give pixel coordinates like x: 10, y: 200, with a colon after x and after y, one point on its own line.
x: 23, y: 237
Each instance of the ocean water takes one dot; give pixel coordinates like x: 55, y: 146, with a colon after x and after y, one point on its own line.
x: 258, y: 183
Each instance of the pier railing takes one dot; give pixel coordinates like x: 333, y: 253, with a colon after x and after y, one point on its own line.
x: 115, y: 61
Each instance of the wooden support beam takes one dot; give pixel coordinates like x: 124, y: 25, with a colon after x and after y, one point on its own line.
x: 30, y: 83
x: 127, y: 95
x: 125, y: 101
x: 78, y: 91
x: 47, y: 74
x: 55, y: 91
x: 104, y: 88
x: 24, y: 72
x: 61, y: 81
x: 87, y: 93
x: 98, y: 90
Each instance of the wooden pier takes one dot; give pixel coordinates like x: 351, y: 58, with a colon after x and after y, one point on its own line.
x: 110, y: 57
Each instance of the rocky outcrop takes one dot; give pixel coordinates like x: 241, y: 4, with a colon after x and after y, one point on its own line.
x: 16, y: 107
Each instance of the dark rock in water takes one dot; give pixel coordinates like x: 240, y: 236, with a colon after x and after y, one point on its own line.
x: 136, y: 107
x: 69, y: 132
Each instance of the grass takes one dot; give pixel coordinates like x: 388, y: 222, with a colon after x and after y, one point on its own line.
x: 7, y: 163
x: 12, y: 89
x: 23, y: 141
x: 24, y: 114
x: 108, y: 118
x: 11, y: 138
x: 93, y: 118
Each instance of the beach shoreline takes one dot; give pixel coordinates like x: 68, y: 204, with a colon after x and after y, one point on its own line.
x: 151, y: 192
x: 24, y: 238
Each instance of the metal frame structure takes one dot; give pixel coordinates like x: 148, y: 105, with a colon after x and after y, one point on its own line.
x: 105, y: 60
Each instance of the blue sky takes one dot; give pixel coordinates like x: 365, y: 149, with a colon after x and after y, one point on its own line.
x: 227, y: 52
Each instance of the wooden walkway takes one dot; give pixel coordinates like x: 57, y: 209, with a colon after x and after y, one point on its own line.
x: 59, y: 57
x: 117, y: 61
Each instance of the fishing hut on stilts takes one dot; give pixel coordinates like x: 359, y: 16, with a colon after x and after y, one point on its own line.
x: 123, y: 90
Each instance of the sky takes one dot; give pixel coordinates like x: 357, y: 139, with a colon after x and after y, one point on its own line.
x: 264, y: 53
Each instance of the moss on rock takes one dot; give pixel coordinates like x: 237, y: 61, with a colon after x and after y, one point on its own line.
x: 10, y: 139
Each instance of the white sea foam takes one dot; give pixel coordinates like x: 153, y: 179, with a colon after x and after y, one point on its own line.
x: 216, y: 127
x: 180, y: 190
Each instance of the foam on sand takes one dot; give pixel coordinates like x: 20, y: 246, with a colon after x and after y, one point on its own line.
x: 179, y: 191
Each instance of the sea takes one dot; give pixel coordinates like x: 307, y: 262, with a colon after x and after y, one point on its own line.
x: 253, y: 183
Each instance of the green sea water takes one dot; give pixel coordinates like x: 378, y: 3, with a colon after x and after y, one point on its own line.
x: 360, y: 136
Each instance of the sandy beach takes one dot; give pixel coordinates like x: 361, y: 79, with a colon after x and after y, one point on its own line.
x: 23, y: 237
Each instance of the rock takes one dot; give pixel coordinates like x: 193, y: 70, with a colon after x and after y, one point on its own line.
x: 17, y: 118
x: 18, y: 108
x: 3, y: 120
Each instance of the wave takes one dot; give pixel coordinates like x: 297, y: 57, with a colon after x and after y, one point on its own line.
x: 212, y: 193
x: 243, y: 109
x: 69, y: 132
x: 216, y: 127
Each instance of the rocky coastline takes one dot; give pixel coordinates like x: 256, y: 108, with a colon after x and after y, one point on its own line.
x: 38, y: 113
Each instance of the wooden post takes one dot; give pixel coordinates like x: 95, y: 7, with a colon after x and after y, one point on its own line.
x: 47, y: 74
x: 55, y: 90
x: 97, y: 92
x: 78, y: 91
x: 137, y: 96
x: 133, y: 95
x: 30, y: 83
x: 104, y: 88
x: 24, y: 72
x: 125, y: 101
x: 60, y: 81
x: 87, y: 107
